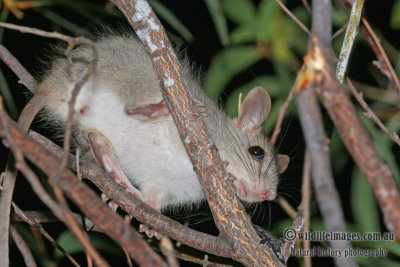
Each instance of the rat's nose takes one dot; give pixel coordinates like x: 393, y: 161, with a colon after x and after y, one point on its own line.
x: 255, y: 193
x: 265, y: 195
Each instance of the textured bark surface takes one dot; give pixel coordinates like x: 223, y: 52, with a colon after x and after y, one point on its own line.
x: 229, y: 214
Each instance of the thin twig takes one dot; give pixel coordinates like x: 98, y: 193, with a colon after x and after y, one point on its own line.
x: 290, y: 14
x: 370, y: 114
x: 339, y: 31
x: 1, y: 180
x: 38, y: 188
x: 349, y: 38
x: 297, y: 225
x: 33, y: 222
x: 71, y: 104
x: 199, y: 261
x: 77, y: 231
x: 24, y: 76
x: 72, y: 42
x: 285, y: 205
x: 282, y: 112
x: 306, y: 195
x: 29, y: 174
x: 381, y: 54
x: 167, y: 248
x: 128, y: 259
x: 41, y: 217
x: 23, y: 247
x: 306, y: 5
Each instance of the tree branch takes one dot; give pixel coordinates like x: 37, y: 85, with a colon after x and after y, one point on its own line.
x: 318, y: 144
x: 356, y: 139
x: 315, y: 137
x: 23, y: 75
x: 229, y: 214
x: 349, y: 38
x: 23, y: 247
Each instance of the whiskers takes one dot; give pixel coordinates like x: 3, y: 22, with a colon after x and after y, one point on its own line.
x: 289, y: 190
x: 260, y: 213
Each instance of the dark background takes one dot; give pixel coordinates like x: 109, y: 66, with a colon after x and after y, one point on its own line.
x: 30, y: 49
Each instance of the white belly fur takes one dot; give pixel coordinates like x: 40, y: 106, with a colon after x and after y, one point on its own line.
x: 150, y: 153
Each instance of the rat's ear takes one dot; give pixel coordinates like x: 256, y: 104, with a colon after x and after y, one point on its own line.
x: 254, y: 110
x: 283, y: 162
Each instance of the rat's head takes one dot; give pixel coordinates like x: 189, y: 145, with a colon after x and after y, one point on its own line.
x: 252, y: 160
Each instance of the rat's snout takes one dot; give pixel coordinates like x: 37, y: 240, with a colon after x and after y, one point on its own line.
x: 254, y: 192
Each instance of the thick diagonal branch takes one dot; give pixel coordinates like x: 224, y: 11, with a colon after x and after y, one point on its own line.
x: 229, y: 215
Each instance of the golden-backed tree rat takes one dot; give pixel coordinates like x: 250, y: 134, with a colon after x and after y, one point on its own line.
x: 122, y: 112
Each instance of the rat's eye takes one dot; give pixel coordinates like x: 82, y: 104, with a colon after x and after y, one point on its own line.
x: 257, y: 152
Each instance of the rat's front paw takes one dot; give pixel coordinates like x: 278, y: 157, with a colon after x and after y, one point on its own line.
x: 149, y: 232
x: 200, y: 108
x: 109, y: 202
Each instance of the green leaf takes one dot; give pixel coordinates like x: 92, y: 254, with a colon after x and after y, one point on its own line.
x: 268, y: 11
x: 339, y: 18
x: 393, y: 247
x: 338, y: 152
x: 281, y: 50
x: 69, y: 243
x: 226, y: 64
x: 384, y: 143
x: 239, y: 11
x: 374, y: 262
x: 395, y: 18
x: 218, y: 17
x: 286, y: 79
x: 363, y: 204
x: 243, y: 34
x: 317, y: 225
x: 172, y: 20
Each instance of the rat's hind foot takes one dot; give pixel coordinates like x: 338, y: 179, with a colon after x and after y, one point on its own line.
x: 103, y: 152
x: 149, y: 232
